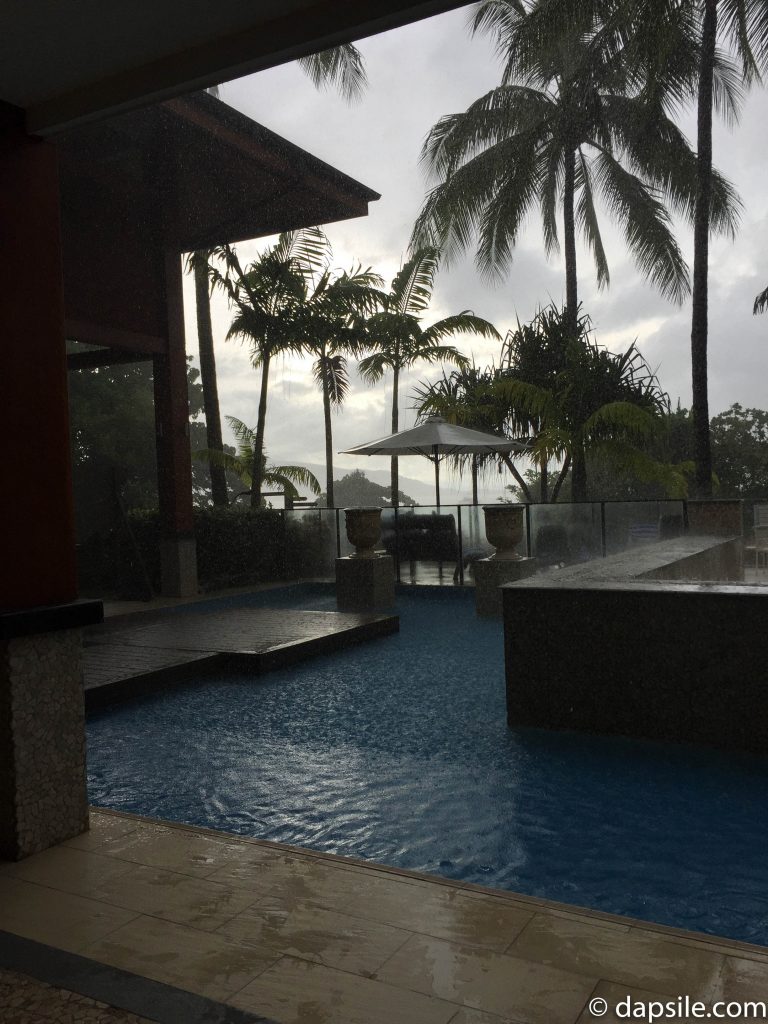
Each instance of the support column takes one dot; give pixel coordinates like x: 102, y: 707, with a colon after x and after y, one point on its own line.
x: 37, y: 542
x: 178, y: 552
x: 43, y: 796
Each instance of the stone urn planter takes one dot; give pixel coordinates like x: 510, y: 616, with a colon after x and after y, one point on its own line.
x: 363, y: 530
x: 504, y: 529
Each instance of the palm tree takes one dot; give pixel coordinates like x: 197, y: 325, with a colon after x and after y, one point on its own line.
x: 470, y: 397
x: 197, y: 264
x: 266, y: 297
x: 401, y: 341
x: 341, y: 66
x: 241, y: 464
x: 761, y: 303
x: 744, y: 26
x: 330, y: 325
x: 333, y: 327
x: 568, y: 124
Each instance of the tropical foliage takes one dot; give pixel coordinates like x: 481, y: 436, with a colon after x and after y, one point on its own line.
x: 265, y: 298
x: 569, y: 397
x: 332, y: 325
x: 240, y: 463
x: 399, y: 339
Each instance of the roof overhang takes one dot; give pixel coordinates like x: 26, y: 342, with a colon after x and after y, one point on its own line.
x: 202, y: 174
x: 66, y: 64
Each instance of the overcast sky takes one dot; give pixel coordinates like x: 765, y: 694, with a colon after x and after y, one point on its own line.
x: 417, y: 74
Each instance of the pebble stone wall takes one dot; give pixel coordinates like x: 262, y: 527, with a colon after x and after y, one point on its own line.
x: 43, y: 798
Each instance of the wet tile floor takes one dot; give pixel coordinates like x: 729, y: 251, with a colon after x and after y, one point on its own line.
x: 306, y: 938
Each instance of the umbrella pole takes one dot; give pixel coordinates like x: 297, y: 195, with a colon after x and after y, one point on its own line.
x: 437, y: 476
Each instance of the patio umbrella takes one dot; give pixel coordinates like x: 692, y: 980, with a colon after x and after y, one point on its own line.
x: 435, y: 438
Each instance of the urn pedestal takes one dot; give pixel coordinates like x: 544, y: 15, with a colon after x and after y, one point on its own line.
x: 365, y: 581
x: 504, y: 529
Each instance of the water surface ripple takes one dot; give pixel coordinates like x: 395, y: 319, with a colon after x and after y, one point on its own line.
x: 397, y: 751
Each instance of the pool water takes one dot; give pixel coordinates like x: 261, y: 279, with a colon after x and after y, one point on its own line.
x: 397, y: 751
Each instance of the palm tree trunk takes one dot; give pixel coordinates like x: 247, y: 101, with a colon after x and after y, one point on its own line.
x: 561, y: 478
x: 544, y: 480
x: 579, y: 474
x: 208, y: 377
x: 328, y: 438
x: 699, y: 328
x: 569, y: 241
x: 395, y: 428
x: 518, y: 479
x: 258, y: 444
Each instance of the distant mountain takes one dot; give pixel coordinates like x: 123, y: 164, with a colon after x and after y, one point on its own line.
x: 356, y: 489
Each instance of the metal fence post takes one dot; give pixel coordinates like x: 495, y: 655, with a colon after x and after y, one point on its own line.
x: 397, y: 543
x: 461, y: 549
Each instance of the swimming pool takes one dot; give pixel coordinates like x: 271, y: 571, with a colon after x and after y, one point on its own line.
x: 397, y: 751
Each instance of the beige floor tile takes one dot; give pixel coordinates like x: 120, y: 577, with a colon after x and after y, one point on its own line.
x: 313, y: 933
x: 498, y: 984
x: 742, y: 979
x: 613, y: 995
x: 56, y: 918
x: 105, y: 829
x: 298, y: 992
x: 68, y: 868
x: 172, y: 896
x: 632, y: 958
x: 203, y: 962
x: 446, y: 915
x: 180, y: 850
x: 468, y: 1016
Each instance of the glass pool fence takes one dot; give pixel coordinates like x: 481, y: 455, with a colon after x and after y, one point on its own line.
x: 443, y: 541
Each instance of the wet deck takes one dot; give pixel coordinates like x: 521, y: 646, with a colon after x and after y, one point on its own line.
x: 133, y: 654
x: 153, y: 918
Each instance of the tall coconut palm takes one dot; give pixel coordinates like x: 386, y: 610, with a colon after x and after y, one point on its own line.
x: 743, y: 26
x: 197, y: 264
x: 265, y: 298
x: 241, y: 463
x: 567, y: 126
x: 333, y: 326
x: 400, y: 340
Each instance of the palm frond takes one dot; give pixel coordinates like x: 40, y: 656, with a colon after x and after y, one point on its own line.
x: 411, y: 290
x: 586, y: 218
x: 340, y: 66
x: 459, y: 323
x: 331, y: 375
x: 646, y: 227
x: 761, y: 303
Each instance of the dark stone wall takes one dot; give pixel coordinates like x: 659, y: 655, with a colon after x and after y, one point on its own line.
x: 658, y: 660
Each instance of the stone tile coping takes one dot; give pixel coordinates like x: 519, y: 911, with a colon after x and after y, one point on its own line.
x: 49, y: 618
x: 114, y: 987
x: 707, y: 938
x: 633, y: 566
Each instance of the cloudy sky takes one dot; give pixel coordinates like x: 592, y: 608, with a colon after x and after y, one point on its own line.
x: 417, y: 74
